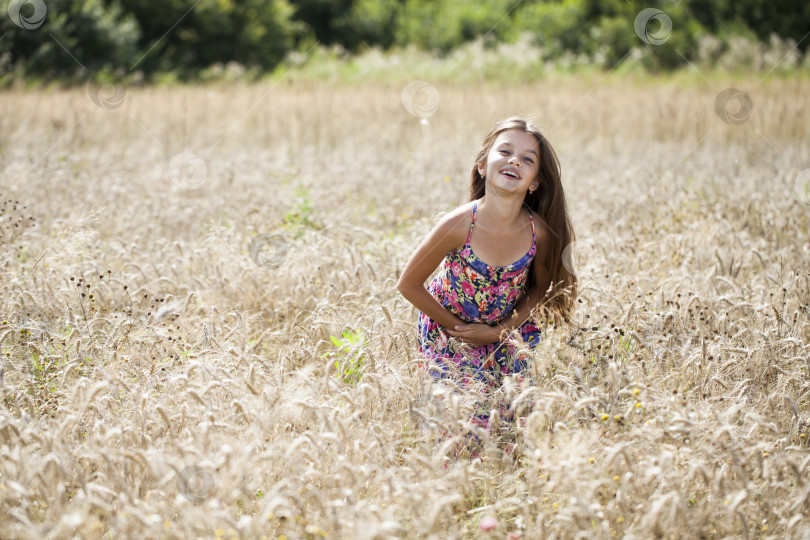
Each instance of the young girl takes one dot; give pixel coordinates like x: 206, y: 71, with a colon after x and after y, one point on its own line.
x: 499, y: 259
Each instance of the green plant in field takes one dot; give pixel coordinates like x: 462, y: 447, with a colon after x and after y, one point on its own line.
x: 299, y: 215
x: 625, y: 345
x: 43, y: 384
x: 349, y: 355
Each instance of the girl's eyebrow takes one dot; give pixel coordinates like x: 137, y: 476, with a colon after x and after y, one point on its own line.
x: 510, y: 144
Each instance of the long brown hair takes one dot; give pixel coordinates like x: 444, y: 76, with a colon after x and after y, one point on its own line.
x: 548, y: 201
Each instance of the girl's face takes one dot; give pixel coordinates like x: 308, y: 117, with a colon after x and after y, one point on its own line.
x: 512, y: 162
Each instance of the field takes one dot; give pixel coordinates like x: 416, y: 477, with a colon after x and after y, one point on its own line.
x: 201, y: 334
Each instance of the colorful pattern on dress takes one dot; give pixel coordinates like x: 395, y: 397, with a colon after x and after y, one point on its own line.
x: 478, y: 293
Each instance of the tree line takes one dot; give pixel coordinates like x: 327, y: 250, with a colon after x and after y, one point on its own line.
x: 80, y: 39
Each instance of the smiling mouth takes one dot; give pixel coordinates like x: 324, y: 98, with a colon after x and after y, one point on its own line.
x: 511, y: 174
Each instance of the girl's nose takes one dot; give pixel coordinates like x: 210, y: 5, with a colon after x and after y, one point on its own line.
x: 514, y: 160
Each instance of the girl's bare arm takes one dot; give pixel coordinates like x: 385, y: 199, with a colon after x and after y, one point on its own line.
x: 446, y: 236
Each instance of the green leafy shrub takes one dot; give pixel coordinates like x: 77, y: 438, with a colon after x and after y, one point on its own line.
x: 349, y: 355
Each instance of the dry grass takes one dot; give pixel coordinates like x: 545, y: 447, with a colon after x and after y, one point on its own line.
x: 159, y: 382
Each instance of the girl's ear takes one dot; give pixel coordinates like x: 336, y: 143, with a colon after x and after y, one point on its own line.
x: 482, y: 168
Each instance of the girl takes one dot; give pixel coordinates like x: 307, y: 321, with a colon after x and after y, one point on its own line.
x: 499, y: 259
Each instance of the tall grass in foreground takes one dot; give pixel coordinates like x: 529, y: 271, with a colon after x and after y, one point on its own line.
x: 159, y: 381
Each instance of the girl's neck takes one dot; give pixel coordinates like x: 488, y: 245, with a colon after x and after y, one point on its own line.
x: 499, y: 211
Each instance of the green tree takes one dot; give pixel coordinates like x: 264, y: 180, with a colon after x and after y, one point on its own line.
x: 374, y: 23
x: 185, y: 38
x: 441, y: 26
x: 76, y: 40
x: 329, y: 20
x: 555, y: 26
x: 786, y: 18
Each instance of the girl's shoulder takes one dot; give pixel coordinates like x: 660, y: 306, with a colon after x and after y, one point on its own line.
x: 455, y: 224
x: 461, y: 213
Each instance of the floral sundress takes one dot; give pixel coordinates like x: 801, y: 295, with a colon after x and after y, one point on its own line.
x: 476, y: 292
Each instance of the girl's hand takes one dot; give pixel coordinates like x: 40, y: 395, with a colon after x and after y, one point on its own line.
x: 476, y: 334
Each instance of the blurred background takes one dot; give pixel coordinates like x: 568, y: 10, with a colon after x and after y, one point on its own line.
x: 163, y: 41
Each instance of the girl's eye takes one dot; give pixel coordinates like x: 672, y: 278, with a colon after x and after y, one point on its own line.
x: 530, y: 160
x: 504, y: 152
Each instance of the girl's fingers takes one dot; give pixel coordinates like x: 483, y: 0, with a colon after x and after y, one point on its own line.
x: 465, y: 327
x: 461, y: 333
x: 462, y: 336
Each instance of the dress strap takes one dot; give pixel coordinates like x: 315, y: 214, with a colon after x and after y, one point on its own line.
x: 469, y: 234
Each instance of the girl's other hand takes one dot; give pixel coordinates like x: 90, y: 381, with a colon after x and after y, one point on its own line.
x: 476, y: 334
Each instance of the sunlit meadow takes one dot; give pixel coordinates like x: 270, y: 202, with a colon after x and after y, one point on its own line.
x: 201, y: 335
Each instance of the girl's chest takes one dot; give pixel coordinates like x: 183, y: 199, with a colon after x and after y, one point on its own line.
x: 500, y: 250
